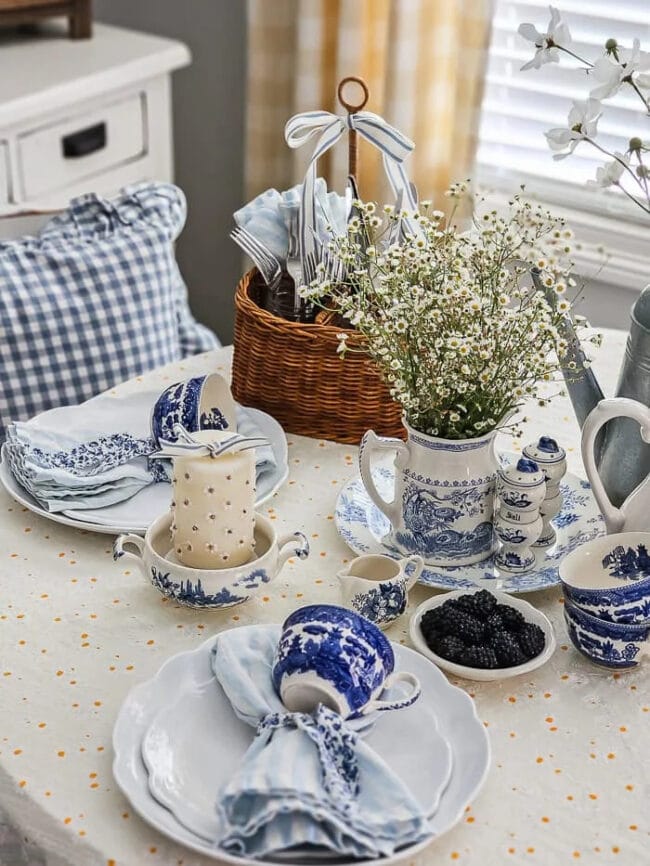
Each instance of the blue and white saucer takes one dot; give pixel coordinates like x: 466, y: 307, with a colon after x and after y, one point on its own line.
x: 363, y: 528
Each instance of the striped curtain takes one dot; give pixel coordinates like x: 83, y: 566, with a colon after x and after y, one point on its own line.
x: 423, y: 61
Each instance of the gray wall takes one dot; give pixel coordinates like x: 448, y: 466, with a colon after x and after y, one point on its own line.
x: 208, y: 100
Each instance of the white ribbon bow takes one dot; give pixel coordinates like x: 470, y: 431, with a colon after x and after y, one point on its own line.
x: 187, y: 446
x: 394, y: 146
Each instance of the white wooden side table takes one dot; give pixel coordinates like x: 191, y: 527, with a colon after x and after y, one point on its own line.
x: 82, y: 116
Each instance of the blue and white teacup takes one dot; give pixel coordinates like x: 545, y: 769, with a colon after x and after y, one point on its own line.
x: 609, y: 577
x: 199, y: 403
x: 333, y: 656
x: 609, y: 644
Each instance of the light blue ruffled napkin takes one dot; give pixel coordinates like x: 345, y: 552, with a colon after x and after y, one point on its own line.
x: 96, y: 454
x: 305, y: 780
x: 265, y: 216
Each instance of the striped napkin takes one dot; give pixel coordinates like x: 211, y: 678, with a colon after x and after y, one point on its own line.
x: 306, y: 780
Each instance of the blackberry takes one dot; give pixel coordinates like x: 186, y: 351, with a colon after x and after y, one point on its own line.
x: 449, y: 647
x: 463, y: 625
x: 484, y: 602
x: 493, y: 624
x: 435, y: 615
x: 511, y: 618
x: 465, y: 603
x: 531, y: 640
x: 507, y: 649
x: 479, y: 657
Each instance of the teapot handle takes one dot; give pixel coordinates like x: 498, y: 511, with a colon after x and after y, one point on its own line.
x: 371, y: 443
x: 605, y: 411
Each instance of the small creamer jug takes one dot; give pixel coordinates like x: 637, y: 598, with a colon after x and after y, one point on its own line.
x: 377, y: 586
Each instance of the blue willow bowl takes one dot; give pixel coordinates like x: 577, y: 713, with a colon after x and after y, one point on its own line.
x: 200, y: 403
x: 609, y: 577
x: 609, y: 644
x: 332, y: 655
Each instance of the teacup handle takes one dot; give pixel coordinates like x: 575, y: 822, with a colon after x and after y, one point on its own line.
x: 414, y: 564
x: 605, y: 411
x: 393, y: 679
x: 371, y: 443
x: 301, y: 550
x: 136, y: 541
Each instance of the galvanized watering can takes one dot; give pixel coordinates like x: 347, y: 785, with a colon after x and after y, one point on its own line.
x: 621, y: 453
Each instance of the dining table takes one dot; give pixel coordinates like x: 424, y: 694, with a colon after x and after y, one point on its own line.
x: 569, y: 781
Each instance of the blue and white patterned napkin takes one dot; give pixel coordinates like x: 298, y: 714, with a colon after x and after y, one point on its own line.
x: 264, y: 216
x: 97, y: 453
x: 305, y: 780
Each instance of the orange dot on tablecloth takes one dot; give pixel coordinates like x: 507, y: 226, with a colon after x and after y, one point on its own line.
x: 545, y: 819
x: 539, y: 760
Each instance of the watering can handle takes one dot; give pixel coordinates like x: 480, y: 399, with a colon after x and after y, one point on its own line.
x: 606, y: 410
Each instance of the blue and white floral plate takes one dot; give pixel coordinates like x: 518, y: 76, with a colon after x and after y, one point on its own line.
x: 363, y: 528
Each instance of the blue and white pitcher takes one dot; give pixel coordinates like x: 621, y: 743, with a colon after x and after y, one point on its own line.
x: 443, y: 502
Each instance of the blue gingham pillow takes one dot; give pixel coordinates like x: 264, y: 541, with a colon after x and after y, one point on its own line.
x: 95, y: 299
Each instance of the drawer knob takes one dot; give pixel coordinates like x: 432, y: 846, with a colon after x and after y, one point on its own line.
x: 84, y: 142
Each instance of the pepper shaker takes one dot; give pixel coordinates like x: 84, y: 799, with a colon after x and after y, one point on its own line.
x: 551, y: 459
x: 518, y: 524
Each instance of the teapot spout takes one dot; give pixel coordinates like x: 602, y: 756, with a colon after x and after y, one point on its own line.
x: 581, y: 383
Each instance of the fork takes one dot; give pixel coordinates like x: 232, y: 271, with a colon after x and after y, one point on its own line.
x: 266, y: 263
x: 293, y: 264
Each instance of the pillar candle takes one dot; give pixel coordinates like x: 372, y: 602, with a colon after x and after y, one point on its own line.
x: 213, y: 506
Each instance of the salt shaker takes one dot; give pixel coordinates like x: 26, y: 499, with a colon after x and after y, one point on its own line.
x: 551, y: 459
x: 521, y: 489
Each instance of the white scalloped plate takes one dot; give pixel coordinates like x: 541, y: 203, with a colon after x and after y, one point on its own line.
x: 458, y: 725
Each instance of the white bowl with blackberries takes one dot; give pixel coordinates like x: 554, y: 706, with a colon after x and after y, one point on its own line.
x: 482, y: 635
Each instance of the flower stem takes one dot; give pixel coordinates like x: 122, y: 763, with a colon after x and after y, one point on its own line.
x: 577, y: 56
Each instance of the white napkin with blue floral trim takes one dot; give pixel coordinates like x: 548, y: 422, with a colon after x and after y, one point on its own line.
x: 305, y: 780
x: 97, y: 453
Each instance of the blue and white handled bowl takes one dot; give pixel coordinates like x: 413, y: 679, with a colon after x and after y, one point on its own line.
x: 210, y: 589
x: 609, y: 644
x: 333, y: 656
x: 200, y: 403
x: 609, y: 577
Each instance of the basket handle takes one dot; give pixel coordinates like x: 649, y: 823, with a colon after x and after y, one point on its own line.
x: 353, y: 108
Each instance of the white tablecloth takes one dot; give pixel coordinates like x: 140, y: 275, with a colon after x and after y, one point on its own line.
x: 570, y: 778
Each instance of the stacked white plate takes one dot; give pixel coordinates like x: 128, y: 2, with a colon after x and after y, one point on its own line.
x: 139, y: 512
x: 177, y: 741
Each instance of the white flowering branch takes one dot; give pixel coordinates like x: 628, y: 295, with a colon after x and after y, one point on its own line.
x: 618, y: 67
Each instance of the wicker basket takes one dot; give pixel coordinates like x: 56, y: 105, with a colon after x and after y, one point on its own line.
x: 292, y: 371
